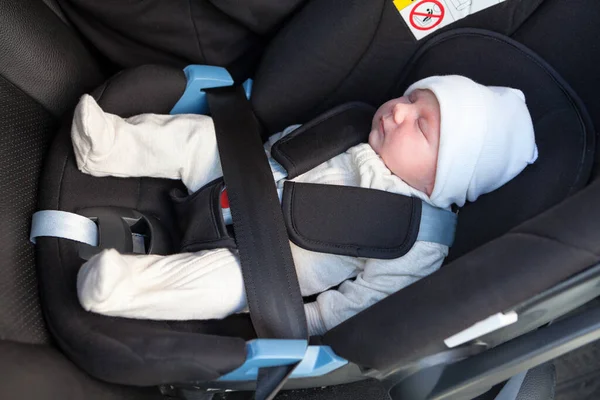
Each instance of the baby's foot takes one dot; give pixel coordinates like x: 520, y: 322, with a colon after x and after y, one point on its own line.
x: 185, y: 286
x: 104, y: 282
x: 92, y: 133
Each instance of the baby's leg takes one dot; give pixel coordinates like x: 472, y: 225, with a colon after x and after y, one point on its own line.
x: 186, y: 286
x: 160, y: 146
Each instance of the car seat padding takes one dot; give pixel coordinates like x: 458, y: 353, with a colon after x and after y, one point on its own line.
x: 564, y: 34
x: 27, y: 129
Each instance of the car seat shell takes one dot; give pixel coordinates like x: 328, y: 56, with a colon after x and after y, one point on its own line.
x: 151, y: 353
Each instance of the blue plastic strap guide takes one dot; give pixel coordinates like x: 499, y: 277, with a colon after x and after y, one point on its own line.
x: 315, y: 360
x: 199, y: 77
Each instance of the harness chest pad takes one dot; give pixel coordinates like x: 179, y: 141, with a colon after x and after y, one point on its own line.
x: 350, y: 221
x: 324, y: 137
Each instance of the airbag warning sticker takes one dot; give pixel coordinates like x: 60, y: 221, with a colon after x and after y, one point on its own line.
x: 427, y: 16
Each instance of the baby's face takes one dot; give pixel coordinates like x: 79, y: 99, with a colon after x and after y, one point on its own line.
x: 406, y: 135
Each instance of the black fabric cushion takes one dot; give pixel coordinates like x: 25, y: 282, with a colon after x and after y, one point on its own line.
x: 180, y: 32
x: 336, y: 51
x: 494, y: 275
x: 43, y: 373
x: 26, y: 129
x: 120, y: 350
x: 260, y: 16
x: 44, y: 67
x: 564, y: 34
x: 43, y: 56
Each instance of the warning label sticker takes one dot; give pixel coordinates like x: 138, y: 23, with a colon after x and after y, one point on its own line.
x: 427, y: 16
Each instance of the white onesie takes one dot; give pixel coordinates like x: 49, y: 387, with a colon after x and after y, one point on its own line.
x: 208, y: 284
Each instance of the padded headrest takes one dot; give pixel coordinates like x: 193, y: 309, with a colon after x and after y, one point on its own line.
x: 564, y: 133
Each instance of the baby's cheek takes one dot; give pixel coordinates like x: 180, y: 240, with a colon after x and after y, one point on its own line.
x: 374, y: 141
x: 414, y: 161
x: 396, y: 161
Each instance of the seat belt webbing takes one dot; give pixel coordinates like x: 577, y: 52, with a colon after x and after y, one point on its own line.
x: 272, y: 288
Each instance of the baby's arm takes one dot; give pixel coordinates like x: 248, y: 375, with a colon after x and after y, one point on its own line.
x: 203, y: 285
x: 379, y: 279
x: 160, y: 146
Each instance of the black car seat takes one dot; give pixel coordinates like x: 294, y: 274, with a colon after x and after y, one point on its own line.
x: 181, y: 32
x: 518, y: 249
x: 44, y: 68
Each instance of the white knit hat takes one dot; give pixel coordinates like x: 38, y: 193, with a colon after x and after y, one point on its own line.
x: 486, y: 137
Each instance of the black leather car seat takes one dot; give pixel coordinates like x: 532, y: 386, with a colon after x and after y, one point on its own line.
x: 44, y: 68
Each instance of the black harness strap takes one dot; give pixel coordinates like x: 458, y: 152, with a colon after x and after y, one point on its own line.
x: 272, y: 288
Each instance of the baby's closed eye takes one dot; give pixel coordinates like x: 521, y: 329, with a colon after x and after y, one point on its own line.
x: 423, y: 126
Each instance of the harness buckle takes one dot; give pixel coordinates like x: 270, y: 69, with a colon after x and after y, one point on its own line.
x: 127, y: 231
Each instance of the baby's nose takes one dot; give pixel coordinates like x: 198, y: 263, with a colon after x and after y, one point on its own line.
x: 401, y: 112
